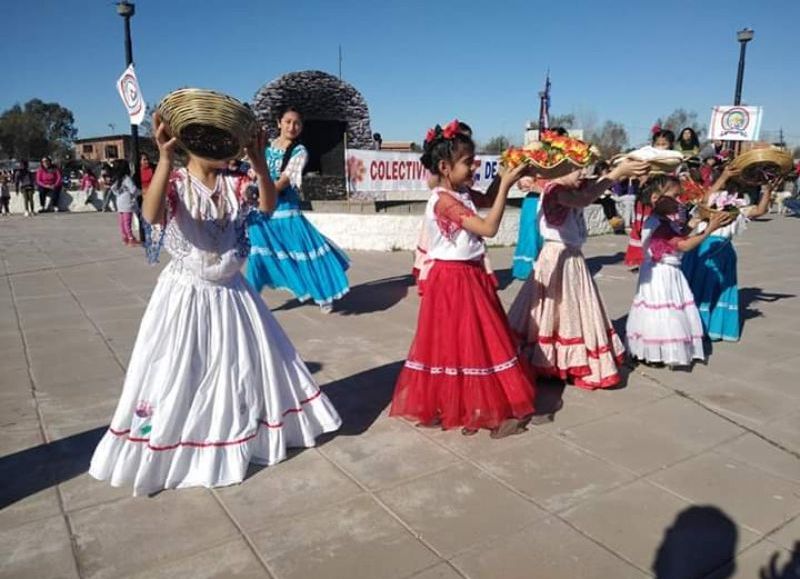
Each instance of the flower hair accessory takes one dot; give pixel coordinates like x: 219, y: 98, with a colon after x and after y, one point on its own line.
x: 447, y: 133
x: 655, y: 129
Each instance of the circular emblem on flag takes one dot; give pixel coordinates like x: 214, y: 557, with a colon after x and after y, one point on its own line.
x: 735, y: 120
x: 129, y: 90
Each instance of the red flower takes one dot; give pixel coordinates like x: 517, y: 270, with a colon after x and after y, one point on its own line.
x: 430, y: 135
x: 655, y: 129
x: 451, y: 130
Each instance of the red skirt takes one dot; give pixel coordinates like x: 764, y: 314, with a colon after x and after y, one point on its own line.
x: 462, y: 369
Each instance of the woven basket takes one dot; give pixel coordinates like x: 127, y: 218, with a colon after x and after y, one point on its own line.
x: 563, y: 167
x: 208, y: 124
x: 705, y: 212
x: 759, y: 166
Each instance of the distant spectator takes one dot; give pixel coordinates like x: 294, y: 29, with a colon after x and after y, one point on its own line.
x: 688, y: 143
x: 24, y: 183
x: 105, y: 186
x: 378, y: 140
x: 146, y: 169
x: 49, y: 183
x: 126, y: 193
x: 5, y: 194
x: 89, y: 185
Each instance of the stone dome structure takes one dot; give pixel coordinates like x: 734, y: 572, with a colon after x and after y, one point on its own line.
x: 322, y: 99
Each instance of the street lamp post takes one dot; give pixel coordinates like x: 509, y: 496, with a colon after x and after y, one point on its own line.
x: 743, y: 36
x: 127, y: 10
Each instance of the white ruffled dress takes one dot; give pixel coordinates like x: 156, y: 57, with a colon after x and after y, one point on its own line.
x: 213, y: 382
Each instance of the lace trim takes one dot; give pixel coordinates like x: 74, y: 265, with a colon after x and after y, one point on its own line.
x: 450, y: 371
x: 295, y: 255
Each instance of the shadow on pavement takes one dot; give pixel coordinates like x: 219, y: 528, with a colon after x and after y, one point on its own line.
x: 29, y: 471
x: 702, y: 542
x: 359, y: 399
x: 595, y: 264
x: 365, y: 298
x: 749, y: 295
x: 374, y: 296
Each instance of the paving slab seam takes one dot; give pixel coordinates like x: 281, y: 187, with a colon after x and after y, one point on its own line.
x: 763, y: 539
x: 250, y: 544
x: 374, y: 496
x: 645, y: 474
x: 410, y: 479
x: 97, y: 328
x: 758, y: 533
x: 43, y: 429
x: 768, y: 440
x: 54, y: 268
x: 525, y: 497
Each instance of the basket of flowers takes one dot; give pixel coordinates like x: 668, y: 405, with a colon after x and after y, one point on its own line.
x: 721, y: 202
x: 763, y: 165
x: 207, y: 123
x: 551, y: 157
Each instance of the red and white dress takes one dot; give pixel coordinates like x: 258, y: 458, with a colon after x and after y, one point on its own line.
x: 664, y: 322
x: 558, y: 313
x: 462, y: 369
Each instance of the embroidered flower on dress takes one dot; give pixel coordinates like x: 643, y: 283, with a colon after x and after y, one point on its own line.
x: 144, y: 409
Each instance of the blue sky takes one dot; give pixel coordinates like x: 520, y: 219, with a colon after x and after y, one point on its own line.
x: 417, y: 62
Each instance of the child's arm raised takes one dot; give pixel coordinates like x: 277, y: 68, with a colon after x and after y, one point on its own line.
x: 591, y: 190
x: 716, y: 221
x: 154, y: 205
x: 766, y: 199
x: 488, y: 226
x: 719, y: 185
x: 267, y: 195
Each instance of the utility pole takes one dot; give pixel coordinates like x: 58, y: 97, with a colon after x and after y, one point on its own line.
x: 127, y: 10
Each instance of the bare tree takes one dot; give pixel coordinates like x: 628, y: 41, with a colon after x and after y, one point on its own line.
x: 496, y: 145
x: 680, y: 119
x: 611, y: 138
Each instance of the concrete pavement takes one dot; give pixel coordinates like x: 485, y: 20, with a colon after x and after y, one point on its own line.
x: 698, y: 471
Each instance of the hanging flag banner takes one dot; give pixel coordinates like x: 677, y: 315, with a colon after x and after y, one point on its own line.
x: 373, y: 174
x: 735, y: 123
x: 131, y: 95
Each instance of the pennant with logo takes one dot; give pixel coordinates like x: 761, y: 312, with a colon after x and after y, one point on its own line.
x: 128, y: 87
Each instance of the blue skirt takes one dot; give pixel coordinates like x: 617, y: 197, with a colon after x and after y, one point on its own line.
x: 529, y: 242
x: 287, y: 252
x: 711, y: 272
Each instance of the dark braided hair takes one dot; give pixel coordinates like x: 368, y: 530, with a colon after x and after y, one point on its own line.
x: 657, y: 184
x: 446, y: 144
x: 287, y: 155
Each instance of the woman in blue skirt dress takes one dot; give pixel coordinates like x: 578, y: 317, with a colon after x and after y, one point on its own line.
x: 529, y: 241
x: 711, y: 269
x: 287, y: 251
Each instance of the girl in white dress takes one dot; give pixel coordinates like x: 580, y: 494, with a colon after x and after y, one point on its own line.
x: 664, y: 324
x: 213, y: 382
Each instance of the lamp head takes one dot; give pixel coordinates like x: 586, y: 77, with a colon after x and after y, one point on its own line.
x: 744, y: 35
x: 125, y: 8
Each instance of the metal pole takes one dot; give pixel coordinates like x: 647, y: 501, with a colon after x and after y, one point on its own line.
x: 737, y: 98
x: 127, y: 10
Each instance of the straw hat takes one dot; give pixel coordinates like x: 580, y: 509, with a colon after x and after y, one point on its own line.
x: 208, y: 124
x: 760, y: 165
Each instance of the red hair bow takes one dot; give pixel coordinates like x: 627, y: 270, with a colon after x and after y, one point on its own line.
x: 451, y: 130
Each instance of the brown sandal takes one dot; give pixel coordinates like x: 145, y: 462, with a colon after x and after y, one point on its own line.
x: 508, y: 427
x: 469, y: 431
